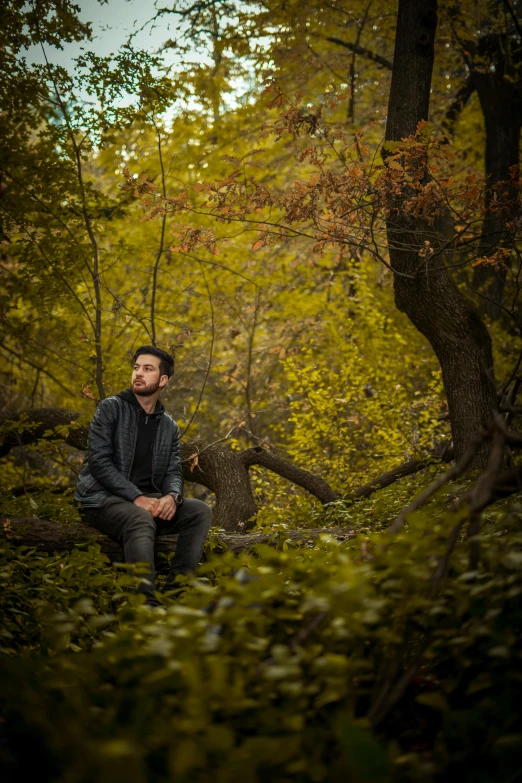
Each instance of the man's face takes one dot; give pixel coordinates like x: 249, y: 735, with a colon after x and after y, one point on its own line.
x: 146, y: 376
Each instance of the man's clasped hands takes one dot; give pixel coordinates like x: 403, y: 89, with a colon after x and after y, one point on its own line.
x: 163, y: 508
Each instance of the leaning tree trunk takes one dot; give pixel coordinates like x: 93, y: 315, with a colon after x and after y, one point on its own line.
x: 501, y: 102
x: 432, y: 302
x: 496, y: 72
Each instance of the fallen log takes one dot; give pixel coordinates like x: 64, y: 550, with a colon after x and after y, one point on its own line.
x: 53, y: 537
x: 223, y: 471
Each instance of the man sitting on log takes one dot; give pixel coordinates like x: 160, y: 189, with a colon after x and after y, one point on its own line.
x: 131, y: 482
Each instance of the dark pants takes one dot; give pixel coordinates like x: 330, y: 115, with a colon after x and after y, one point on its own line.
x: 135, y: 528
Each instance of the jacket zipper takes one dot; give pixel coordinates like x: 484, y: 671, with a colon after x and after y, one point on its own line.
x: 89, y: 485
x: 133, y: 452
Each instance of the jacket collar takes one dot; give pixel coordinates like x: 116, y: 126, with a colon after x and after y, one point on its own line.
x: 130, y: 397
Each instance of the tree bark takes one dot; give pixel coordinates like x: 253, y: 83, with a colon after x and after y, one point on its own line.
x: 53, y: 537
x: 432, y: 302
x: 500, y: 95
x: 223, y: 472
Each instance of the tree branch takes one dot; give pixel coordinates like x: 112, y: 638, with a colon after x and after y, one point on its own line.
x: 443, y: 453
x: 303, y: 478
x: 364, y: 52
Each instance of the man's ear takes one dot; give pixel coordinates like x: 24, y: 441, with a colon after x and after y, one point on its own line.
x: 163, y: 380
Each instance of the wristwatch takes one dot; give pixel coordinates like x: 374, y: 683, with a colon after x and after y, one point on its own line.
x: 178, y: 499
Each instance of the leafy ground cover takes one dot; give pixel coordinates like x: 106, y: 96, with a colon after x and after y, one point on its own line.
x: 324, y: 662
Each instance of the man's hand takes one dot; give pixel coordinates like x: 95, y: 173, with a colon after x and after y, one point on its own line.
x: 166, y: 507
x: 149, y: 504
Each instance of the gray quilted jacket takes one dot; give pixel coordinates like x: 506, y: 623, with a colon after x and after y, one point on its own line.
x: 110, y: 451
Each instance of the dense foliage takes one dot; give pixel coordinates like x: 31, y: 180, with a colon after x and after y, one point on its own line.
x: 234, y: 205
x: 267, y: 668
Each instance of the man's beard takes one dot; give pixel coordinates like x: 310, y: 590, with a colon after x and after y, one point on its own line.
x: 142, y: 390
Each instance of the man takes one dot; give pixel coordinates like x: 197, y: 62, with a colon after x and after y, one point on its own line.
x: 131, y: 482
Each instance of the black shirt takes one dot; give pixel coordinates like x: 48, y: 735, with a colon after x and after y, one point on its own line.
x: 141, y: 471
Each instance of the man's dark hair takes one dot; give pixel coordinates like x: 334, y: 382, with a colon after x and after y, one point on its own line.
x: 166, y: 360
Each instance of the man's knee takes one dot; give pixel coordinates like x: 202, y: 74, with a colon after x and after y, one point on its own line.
x: 140, y: 519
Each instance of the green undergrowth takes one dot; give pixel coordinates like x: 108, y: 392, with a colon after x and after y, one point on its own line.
x: 42, y: 503
x: 272, y: 663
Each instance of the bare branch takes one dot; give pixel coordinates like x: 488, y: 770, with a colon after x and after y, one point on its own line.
x: 444, y: 453
x: 364, y: 52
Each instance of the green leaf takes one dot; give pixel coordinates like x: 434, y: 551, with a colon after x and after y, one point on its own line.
x: 435, y: 699
x: 363, y: 753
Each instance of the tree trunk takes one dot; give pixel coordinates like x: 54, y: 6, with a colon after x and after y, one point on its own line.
x: 223, y: 472
x: 432, y: 302
x: 501, y: 102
